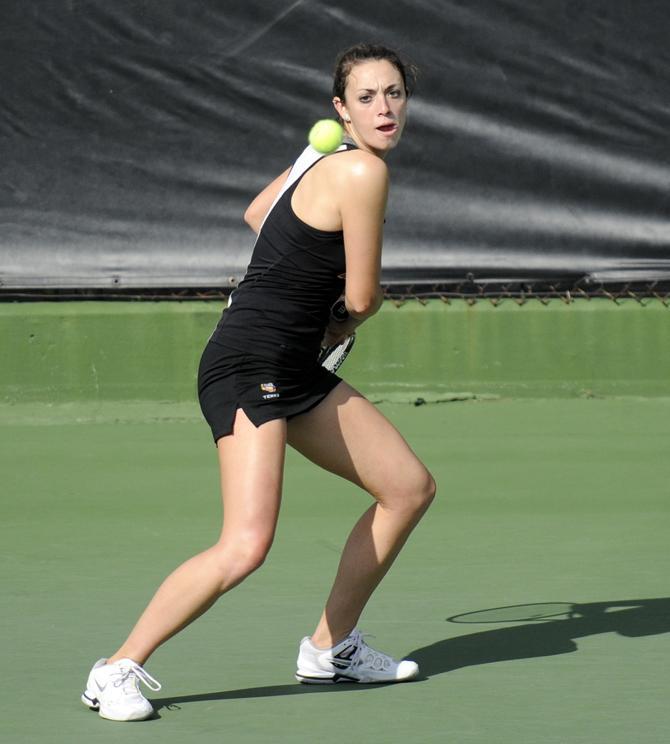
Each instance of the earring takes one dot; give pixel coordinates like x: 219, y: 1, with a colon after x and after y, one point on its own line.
x: 347, y: 119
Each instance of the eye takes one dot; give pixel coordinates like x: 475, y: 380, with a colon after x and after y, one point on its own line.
x: 365, y: 99
x: 395, y: 93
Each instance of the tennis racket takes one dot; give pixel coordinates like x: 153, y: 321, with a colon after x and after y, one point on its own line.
x: 331, y: 357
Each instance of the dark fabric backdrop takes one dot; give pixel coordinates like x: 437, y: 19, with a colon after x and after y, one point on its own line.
x: 134, y: 133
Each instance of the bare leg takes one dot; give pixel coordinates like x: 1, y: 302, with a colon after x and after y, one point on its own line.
x: 251, y: 461
x: 347, y: 435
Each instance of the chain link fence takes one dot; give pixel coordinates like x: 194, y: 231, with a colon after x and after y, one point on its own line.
x: 472, y: 291
x: 468, y: 290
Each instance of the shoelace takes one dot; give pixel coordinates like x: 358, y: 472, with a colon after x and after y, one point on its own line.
x: 365, y: 655
x: 130, y: 672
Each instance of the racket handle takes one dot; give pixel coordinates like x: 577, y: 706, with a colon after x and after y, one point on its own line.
x: 339, y: 312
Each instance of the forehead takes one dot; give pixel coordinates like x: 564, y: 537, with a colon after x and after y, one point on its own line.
x: 372, y: 74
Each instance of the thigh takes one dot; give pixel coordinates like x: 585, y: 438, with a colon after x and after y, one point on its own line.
x: 350, y: 437
x: 251, y: 462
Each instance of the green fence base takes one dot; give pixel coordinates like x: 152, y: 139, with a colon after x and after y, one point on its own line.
x: 55, y: 352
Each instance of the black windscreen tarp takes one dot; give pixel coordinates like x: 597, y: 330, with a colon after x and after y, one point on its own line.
x: 134, y: 133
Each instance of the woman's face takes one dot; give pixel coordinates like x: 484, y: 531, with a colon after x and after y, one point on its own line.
x: 374, y: 106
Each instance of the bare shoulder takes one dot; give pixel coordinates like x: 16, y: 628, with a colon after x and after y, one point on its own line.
x: 357, y: 168
x: 361, y: 164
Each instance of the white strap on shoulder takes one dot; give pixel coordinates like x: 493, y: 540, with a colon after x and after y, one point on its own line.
x: 306, y: 160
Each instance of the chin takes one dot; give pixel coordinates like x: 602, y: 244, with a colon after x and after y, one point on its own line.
x: 388, y: 145
x: 384, y: 144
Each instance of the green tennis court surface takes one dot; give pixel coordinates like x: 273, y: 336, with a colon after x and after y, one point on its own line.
x: 556, y: 505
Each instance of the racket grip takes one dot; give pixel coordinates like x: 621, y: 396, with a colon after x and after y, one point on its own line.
x: 339, y: 312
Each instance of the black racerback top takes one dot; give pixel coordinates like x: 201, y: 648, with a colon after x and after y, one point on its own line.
x: 281, y: 308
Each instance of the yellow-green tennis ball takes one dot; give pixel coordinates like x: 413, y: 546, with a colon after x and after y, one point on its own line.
x: 326, y: 135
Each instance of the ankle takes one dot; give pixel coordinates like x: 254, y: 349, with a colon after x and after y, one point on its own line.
x: 120, y: 655
x: 324, y: 639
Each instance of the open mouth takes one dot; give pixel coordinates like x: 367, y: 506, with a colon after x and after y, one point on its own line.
x: 388, y: 128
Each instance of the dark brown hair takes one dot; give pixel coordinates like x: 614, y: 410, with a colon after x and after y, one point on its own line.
x: 362, y: 53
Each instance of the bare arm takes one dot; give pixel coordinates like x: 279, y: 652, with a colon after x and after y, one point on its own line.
x: 259, y: 207
x: 362, y: 207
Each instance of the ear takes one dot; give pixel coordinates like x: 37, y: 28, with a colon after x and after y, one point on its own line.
x: 341, y: 109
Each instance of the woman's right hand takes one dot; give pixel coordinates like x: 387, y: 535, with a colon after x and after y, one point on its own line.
x: 337, y: 331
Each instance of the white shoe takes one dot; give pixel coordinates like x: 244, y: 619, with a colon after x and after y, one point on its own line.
x: 112, y: 690
x: 352, y: 660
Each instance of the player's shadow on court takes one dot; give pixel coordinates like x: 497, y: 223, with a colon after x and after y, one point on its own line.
x: 547, y: 634
x: 547, y: 629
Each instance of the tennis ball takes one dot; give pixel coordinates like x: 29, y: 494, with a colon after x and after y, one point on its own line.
x: 326, y: 135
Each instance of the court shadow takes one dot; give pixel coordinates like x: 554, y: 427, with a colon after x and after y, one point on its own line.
x: 175, y: 702
x: 631, y: 618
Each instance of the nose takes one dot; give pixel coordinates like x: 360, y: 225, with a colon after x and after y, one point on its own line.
x: 383, y: 105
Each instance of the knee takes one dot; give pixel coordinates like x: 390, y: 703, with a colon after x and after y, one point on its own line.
x: 252, y: 551
x: 424, y: 491
x: 242, y: 556
x: 415, y: 493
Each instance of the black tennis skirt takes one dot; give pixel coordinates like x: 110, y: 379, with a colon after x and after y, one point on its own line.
x: 263, y: 389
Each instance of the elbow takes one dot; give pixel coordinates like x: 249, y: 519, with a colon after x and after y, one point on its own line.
x: 361, y: 308
x: 251, y: 219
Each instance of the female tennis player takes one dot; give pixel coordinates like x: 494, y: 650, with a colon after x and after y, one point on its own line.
x: 319, y: 236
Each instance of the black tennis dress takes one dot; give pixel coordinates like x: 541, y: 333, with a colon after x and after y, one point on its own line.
x: 262, y: 356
